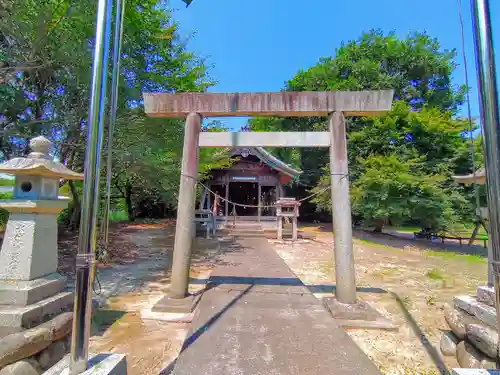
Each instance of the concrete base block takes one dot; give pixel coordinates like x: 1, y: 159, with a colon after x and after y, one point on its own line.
x: 177, y: 305
x: 485, y: 313
x: 99, y: 364
x: 29, y: 249
x: 28, y: 316
x: 474, y: 371
x: 486, y: 294
x: 148, y: 314
x: 358, y: 315
x: 22, y: 293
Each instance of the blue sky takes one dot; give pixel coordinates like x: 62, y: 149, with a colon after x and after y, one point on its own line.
x: 256, y: 45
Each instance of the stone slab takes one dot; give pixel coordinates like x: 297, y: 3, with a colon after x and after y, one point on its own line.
x: 29, y: 248
x: 261, y: 331
x: 265, y: 139
x: 99, y: 364
x: 6, y: 331
x: 148, y: 314
x: 285, y: 104
x: 27, y: 316
x: 474, y: 371
x: 486, y: 294
x: 358, y: 315
x: 486, y: 314
x: 177, y: 305
x: 22, y: 293
x: 276, y: 289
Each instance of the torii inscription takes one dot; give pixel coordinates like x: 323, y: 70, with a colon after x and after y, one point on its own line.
x: 335, y: 105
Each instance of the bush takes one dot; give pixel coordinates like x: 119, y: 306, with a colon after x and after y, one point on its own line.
x: 391, y: 190
x: 4, y: 214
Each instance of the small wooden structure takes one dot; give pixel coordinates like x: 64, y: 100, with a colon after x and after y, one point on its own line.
x: 204, y: 219
x: 479, y: 178
x: 287, y: 208
x: 254, y: 181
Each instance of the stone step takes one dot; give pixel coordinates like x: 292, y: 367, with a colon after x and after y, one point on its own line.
x: 482, y: 311
x: 247, y: 234
x: 23, y: 293
x: 243, y: 230
x: 486, y: 294
x: 34, y: 314
x: 245, y: 227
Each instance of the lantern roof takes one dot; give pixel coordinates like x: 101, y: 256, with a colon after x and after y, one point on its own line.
x: 39, y: 163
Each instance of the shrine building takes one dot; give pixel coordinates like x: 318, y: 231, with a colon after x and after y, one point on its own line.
x: 254, y: 178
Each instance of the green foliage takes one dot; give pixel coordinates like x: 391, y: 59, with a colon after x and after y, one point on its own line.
x: 390, y: 190
x: 415, y: 67
x: 7, y: 182
x: 401, y: 164
x: 434, y: 274
x: 4, y: 214
x: 45, y: 66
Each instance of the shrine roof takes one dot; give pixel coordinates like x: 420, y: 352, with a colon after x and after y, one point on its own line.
x: 39, y: 163
x: 269, y: 159
x: 479, y: 178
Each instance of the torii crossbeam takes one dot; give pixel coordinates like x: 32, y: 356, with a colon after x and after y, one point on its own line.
x: 335, y: 105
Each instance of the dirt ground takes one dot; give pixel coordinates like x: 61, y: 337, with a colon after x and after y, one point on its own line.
x: 136, y: 277
x: 407, y: 284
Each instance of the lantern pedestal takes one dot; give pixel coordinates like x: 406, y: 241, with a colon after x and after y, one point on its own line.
x: 30, y: 288
x: 34, y: 307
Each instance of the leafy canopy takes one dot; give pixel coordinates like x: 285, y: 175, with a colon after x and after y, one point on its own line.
x: 420, y: 143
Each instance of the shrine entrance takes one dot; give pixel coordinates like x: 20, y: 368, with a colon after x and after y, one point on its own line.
x: 246, y: 194
x: 334, y: 105
x: 250, y: 186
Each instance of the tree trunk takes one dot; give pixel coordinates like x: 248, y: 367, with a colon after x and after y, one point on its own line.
x: 74, y: 222
x: 128, y: 202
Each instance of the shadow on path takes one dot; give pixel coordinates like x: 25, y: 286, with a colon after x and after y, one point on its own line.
x: 194, y: 336
x: 430, y: 349
x: 281, y: 281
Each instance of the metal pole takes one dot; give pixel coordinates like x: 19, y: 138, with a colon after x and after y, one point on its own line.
x: 85, y: 260
x: 341, y: 212
x: 185, y: 226
x: 469, y: 111
x: 117, y: 48
x: 488, y: 100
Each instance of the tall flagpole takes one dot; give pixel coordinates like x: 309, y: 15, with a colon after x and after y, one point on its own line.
x: 85, y: 260
x: 117, y: 47
x: 488, y: 100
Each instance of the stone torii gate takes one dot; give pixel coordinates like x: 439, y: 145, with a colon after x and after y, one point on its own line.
x: 195, y: 106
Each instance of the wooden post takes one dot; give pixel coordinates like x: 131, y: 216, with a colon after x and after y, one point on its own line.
x: 184, y: 229
x: 280, y: 227
x: 294, y: 228
x: 226, y: 209
x: 341, y: 212
x: 259, y: 192
x: 205, y: 195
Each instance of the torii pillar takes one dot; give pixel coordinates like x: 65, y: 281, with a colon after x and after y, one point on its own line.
x: 194, y: 106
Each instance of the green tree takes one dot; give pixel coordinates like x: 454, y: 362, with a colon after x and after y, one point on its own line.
x: 415, y: 67
x: 422, y: 125
x: 45, y: 65
x: 390, y: 191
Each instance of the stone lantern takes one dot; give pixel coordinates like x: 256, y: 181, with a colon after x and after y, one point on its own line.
x: 287, y: 208
x: 30, y: 288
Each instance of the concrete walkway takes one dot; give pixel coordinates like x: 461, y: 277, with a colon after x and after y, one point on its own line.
x: 258, y: 318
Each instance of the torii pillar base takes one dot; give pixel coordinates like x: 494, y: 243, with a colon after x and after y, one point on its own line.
x: 184, y: 305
